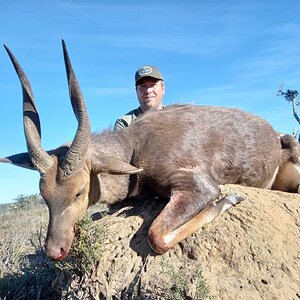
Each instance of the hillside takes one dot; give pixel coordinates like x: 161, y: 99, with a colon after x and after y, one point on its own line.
x: 250, y: 252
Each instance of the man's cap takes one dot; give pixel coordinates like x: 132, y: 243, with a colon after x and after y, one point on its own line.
x: 147, y: 71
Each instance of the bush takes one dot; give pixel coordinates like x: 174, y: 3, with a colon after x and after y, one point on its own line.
x: 27, y: 202
x: 87, y: 247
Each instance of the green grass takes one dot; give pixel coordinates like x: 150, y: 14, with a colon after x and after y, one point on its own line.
x: 87, y: 247
x: 178, y: 279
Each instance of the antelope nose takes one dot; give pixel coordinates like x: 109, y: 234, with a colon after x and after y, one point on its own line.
x: 56, y: 253
x: 63, y: 253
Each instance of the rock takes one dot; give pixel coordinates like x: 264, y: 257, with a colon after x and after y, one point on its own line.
x: 252, y: 251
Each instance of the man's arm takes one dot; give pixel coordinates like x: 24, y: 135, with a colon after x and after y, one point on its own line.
x: 120, y: 124
x: 126, y: 120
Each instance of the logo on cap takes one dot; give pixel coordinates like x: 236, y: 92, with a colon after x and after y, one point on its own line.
x: 145, y: 70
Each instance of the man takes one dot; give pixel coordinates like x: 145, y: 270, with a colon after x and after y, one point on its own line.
x: 150, y: 89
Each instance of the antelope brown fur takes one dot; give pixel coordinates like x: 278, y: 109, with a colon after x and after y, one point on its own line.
x: 184, y: 152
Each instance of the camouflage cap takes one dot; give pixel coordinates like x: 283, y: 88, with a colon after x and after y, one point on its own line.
x: 147, y: 71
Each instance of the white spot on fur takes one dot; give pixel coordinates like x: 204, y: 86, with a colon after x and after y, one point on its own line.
x: 169, y: 237
x: 272, y: 180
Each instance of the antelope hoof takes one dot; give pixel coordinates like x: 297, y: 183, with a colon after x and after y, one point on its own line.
x: 233, y: 199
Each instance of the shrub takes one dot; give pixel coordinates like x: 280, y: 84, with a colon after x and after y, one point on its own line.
x: 177, y: 289
x: 87, y: 247
x: 28, y: 201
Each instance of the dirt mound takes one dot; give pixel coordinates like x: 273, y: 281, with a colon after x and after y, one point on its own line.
x: 251, y: 251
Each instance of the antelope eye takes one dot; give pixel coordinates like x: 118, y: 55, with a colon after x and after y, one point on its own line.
x: 79, y: 193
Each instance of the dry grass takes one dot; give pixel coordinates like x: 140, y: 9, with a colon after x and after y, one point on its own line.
x: 23, y: 226
x: 25, y: 271
x: 177, y: 284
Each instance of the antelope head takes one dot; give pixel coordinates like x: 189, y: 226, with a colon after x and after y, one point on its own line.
x: 65, y: 173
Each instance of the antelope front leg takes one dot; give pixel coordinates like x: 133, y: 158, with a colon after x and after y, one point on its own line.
x: 177, y: 221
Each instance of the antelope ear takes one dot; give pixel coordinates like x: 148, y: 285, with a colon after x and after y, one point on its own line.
x: 113, y: 166
x: 21, y: 160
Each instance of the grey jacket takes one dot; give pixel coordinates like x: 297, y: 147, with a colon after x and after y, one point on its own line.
x: 126, y: 120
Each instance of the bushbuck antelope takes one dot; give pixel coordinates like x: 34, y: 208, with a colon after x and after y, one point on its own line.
x: 183, y: 152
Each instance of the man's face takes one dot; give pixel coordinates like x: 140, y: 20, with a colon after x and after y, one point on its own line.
x: 150, y: 92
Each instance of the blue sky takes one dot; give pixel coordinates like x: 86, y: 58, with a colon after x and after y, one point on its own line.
x: 229, y: 53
